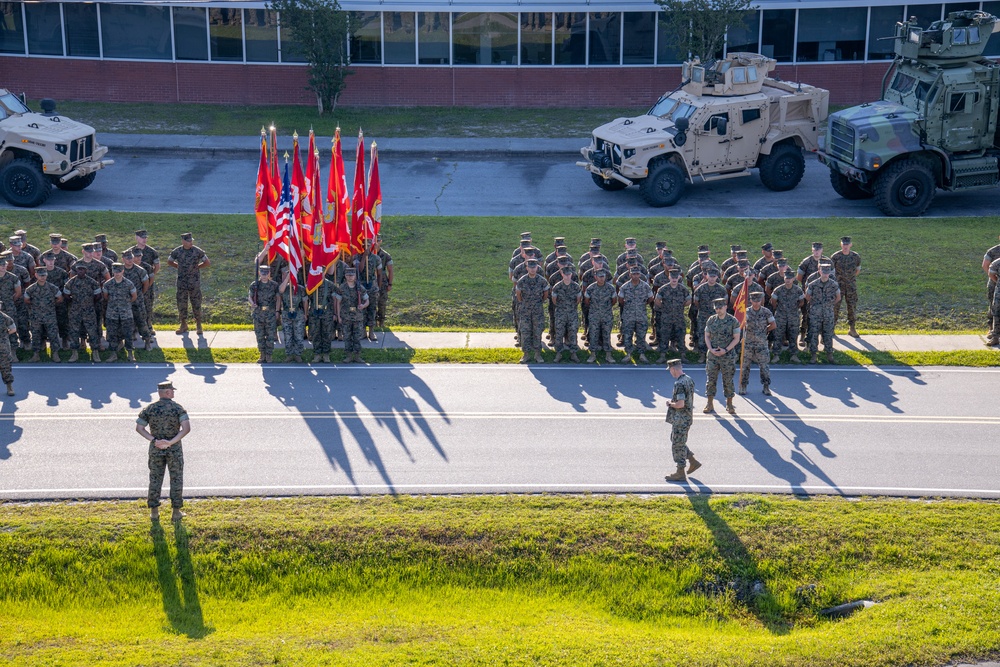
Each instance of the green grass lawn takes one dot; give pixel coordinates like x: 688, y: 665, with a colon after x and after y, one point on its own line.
x: 917, y: 275
x: 377, y: 122
x: 512, y: 580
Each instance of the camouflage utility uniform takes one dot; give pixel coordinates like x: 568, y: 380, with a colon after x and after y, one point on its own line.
x: 58, y: 277
x: 149, y: 258
x: 383, y: 287
x: 6, y: 353
x: 164, y: 419
x: 9, y: 284
x: 721, y: 332
x: 994, y: 273
x: 787, y: 302
x: 293, y: 322
x: 530, y: 311
x: 845, y: 267
x: 41, y: 300
x: 188, y: 279
x: 352, y: 314
x: 566, y: 316
x: 991, y: 256
x: 82, y: 291
x: 705, y: 294
x: 755, y: 350
x: 138, y: 277
x: 680, y: 419
x: 265, y: 315
x: 601, y: 316
x: 821, y: 318
x: 322, y: 315
x: 671, y: 316
x: 119, y: 312
x: 635, y: 321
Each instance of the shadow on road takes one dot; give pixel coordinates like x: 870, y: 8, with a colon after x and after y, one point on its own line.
x: 10, y: 432
x: 607, y: 384
x: 182, y: 607
x: 337, y: 404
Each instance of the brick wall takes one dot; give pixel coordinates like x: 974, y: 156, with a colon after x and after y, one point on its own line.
x: 97, y: 80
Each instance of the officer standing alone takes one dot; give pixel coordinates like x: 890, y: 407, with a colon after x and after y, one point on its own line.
x: 164, y: 424
x: 680, y: 416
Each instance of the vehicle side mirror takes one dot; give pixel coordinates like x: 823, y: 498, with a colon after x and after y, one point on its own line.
x: 720, y: 126
x: 23, y: 98
x: 681, y: 124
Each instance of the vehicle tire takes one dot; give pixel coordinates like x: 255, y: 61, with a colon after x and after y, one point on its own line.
x: 847, y: 188
x: 76, y: 184
x: 23, y: 184
x: 609, y: 184
x: 783, y: 168
x: 905, y: 188
x: 664, y: 185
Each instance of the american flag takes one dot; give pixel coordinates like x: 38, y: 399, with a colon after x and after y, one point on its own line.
x: 286, y: 230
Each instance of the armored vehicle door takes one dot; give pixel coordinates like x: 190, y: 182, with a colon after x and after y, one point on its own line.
x: 965, y: 123
x: 749, y: 126
x: 715, y: 134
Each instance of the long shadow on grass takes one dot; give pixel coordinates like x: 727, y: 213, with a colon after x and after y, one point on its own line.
x: 742, y: 572
x: 182, y: 607
x: 357, y: 396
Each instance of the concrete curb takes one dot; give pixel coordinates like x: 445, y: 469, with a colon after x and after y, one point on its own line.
x: 201, y: 146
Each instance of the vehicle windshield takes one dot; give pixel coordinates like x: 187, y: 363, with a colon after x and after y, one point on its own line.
x: 663, y: 107
x: 12, y: 104
x: 684, y: 110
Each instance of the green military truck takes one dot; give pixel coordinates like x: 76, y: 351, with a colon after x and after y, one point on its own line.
x: 935, y: 126
x: 39, y: 150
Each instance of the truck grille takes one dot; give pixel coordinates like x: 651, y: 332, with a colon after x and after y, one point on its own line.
x: 611, y: 149
x: 842, y: 140
x: 81, y: 150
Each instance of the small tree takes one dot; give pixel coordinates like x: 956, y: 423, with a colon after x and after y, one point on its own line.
x: 698, y: 27
x: 319, y: 28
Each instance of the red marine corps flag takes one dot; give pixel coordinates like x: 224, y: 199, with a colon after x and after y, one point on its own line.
x: 373, y: 206
x: 336, y: 197
x: 358, y: 205
x: 740, y: 306
x: 298, y: 189
x: 324, y: 249
x: 306, y: 223
x: 265, y: 194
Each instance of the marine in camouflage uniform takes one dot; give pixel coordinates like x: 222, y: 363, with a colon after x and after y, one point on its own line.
x: 846, y: 265
x: 188, y: 259
x: 41, y: 299
x: 532, y: 291
x: 723, y: 333
x: 10, y: 290
x: 680, y: 416
x: 102, y: 240
x: 21, y: 265
x: 994, y: 275
x: 822, y: 296
x: 633, y: 297
x: 991, y: 256
x: 58, y: 278
x: 139, y: 277
x: 807, y: 267
x: 149, y: 259
x: 704, y: 296
x: 82, y: 291
x: 600, y: 298
x: 369, y: 268
x: 63, y: 259
x: 6, y: 353
x: 164, y: 423
x: 263, y: 298
x: 322, y: 317
x: 100, y: 274
x: 566, y: 297
x: 385, y: 281
x: 786, y: 302
x: 759, y: 321
x: 353, y: 299
x: 28, y: 248
x: 671, y: 303
x: 293, y: 318
x: 119, y: 293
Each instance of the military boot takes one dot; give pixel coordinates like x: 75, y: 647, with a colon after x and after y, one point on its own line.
x: 357, y: 358
x: 730, y: 408
x: 572, y: 357
x: 609, y: 357
x: 766, y: 390
x: 992, y: 340
x: 349, y: 358
x: 662, y: 358
x: 592, y: 358
x: 267, y: 358
x: 538, y: 357
x: 154, y: 513
x: 558, y: 358
x: 177, y: 515
x: 642, y: 358
x: 743, y: 390
x: 693, y: 464
x: 297, y: 359
x: 131, y: 356
x: 33, y: 358
x: 113, y: 358
x: 524, y: 358
x: 260, y: 359
x: 829, y: 357
x: 709, y: 406
x: 795, y: 357
x: 853, y: 333
x: 677, y: 476
x: 813, y: 359
x: 701, y: 357
x: 55, y: 355
x: 74, y: 356
x: 197, y: 326
x: 182, y: 328
x: 95, y: 356
x: 10, y: 388
x: 774, y: 358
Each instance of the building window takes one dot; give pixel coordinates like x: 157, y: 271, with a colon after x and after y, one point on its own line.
x: 638, y: 43
x: 44, y: 27
x: 366, y: 37
x: 881, y: 25
x: 485, y: 39
x: 225, y: 27
x: 81, y: 30
x: 11, y: 28
x: 925, y: 14
x: 993, y: 46
x: 536, y: 38
x: 605, y: 38
x: 136, y: 31
x: 433, y: 38
x: 289, y: 50
x: 261, y: 29
x: 960, y: 7
x: 571, y: 38
x: 400, y: 45
x: 744, y: 38
x: 190, y: 33
x: 831, y: 34
x: 667, y: 51
x: 778, y: 35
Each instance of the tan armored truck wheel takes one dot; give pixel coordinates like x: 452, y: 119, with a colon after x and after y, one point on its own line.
x: 783, y: 168
x: 609, y: 184
x: 847, y: 188
x: 905, y: 188
x: 23, y: 184
x: 664, y: 185
x: 76, y: 184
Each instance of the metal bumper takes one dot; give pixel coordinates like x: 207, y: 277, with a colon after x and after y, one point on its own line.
x: 607, y: 174
x: 86, y: 168
x: 849, y: 170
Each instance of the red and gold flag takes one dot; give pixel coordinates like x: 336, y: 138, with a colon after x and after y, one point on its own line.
x: 264, y: 195
x: 740, y: 306
x: 373, y: 204
x: 337, y: 198
x: 358, y: 203
x: 307, y: 209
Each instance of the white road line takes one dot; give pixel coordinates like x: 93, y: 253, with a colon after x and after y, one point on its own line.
x: 885, y: 370
x: 479, y: 487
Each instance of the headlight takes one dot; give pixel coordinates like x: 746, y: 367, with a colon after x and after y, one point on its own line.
x: 62, y: 148
x: 629, y: 152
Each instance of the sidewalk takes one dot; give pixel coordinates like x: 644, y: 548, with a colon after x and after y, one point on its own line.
x: 205, y: 145
x: 470, y: 340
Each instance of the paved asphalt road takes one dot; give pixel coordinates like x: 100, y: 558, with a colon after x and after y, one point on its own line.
x: 449, y: 429
x: 453, y: 185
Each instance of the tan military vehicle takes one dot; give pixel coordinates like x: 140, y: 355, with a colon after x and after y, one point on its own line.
x: 727, y: 118
x: 39, y: 150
